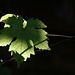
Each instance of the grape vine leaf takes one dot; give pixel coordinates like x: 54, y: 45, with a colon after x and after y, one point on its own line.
x: 29, y: 34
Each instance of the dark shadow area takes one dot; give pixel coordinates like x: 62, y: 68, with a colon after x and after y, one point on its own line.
x: 59, y: 16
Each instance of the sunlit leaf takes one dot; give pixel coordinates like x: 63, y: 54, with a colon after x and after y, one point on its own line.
x: 29, y: 34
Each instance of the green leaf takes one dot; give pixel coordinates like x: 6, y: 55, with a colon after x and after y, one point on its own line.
x: 29, y: 34
x: 19, y: 59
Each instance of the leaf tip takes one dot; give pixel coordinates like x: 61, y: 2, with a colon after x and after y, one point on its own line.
x: 6, y: 17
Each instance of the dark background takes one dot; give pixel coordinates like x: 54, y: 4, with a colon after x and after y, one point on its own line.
x: 59, y: 16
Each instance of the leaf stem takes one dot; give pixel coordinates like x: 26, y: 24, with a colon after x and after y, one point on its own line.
x: 60, y: 35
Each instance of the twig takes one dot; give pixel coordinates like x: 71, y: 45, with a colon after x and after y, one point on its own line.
x: 59, y: 42
x: 60, y: 35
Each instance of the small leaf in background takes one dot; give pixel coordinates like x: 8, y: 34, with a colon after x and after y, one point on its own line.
x: 4, y: 70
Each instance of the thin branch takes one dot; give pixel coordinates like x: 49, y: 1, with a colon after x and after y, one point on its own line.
x: 60, y: 35
x: 59, y: 42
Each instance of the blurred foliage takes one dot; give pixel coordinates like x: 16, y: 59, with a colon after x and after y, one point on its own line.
x: 4, y: 70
